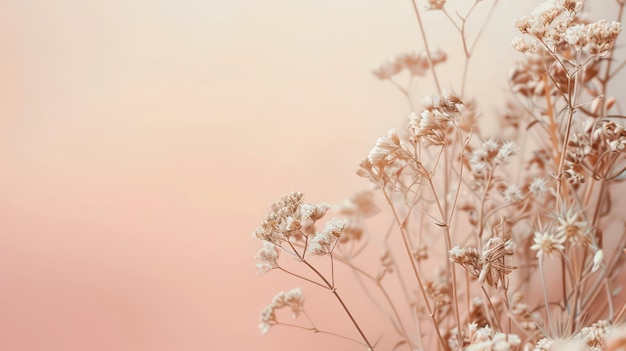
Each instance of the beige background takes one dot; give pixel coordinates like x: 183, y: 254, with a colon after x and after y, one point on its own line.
x: 141, y: 142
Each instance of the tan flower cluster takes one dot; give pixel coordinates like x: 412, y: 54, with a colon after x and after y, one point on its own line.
x: 486, y: 339
x: 491, y: 265
x: 290, y: 218
x: 415, y: 64
x: 435, y: 4
x: 292, y: 299
x: 433, y: 124
x: 491, y: 154
x: 355, y: 210
x: 593, y: 38
x: 549, y: 21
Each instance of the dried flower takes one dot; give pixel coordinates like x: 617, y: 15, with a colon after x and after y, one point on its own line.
x: 435, y: 4
x: 385, y: 148
x: 547, y: 243
x: 292, y: 299
x: 594, y: 38
x: 512, y: 194
x: 267, y: 257
x: 577, y: 232
x: 538, y: 187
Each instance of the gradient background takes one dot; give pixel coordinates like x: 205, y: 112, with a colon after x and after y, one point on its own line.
x: 141, y: 142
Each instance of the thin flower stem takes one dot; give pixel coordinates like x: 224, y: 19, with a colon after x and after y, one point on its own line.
x: 319, y: 331
x: 333, y: 289
x: 407, y: 247
x: 428, y: 55
x: 493, y: 309
x: 448, y: 237
x: 545, y: 297
x: 303, y: 278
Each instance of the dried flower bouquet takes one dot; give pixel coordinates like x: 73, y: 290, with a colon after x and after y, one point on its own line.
x: 507, y: 242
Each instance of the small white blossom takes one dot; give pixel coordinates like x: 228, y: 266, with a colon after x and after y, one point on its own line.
x: 505, y: 152
x: 384, y: 148
x: 335, y: 226
x: 523, y: 45
x: 512, y: 193
x: 538, y: 187
x: 267, y: 257
x: 593, y: 38
x: 547, y: 243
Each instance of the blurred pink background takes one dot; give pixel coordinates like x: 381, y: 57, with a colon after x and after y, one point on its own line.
x: 141, y: 142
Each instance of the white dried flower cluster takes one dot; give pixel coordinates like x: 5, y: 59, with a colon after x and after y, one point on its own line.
x: 547, y: 23
x: 595, y: 335
x: 554, y: 22
x: 292, y: 299
x: 491, y: 154
x: 593, y: 38
x: 523, y: 45
x: 416, y: 64
x: 267, y: 257
x: 486, y: 339
x: 322, y: 243
x: 289, y: 217
x: 433, y: 124
x: 385, y: 149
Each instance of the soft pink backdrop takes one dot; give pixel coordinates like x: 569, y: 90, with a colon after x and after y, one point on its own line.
x: 141, y: 142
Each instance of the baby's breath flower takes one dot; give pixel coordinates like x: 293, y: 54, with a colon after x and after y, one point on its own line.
x: 335, y: 227
x: 313, y: 212
x: 547, y: 243
x: 385, y: 148
x: 430, y: 126
x: 549, y: 21
x: 268, y: 319
x: 523, y: 45
x: 279, y: 222
x: 322, y: 243
x: 594, y: 38
x: 292, y: 299
x: 267, y: 257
